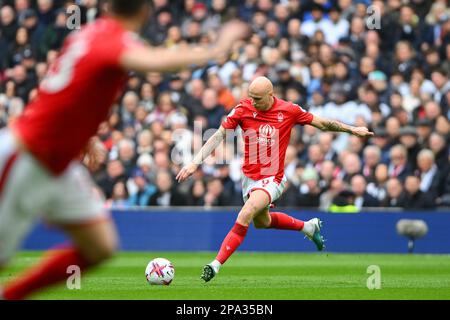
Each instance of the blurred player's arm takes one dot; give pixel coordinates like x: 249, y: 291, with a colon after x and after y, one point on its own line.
x: 325, y: 124
x: 145, y: 59
x: 204, y: 152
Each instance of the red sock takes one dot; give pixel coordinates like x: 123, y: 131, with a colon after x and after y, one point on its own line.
x: 280, y: 220
x: 52, y: 269
x: 231, y: 242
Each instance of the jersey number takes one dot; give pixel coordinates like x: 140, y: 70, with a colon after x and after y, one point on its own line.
x: 61, y: 73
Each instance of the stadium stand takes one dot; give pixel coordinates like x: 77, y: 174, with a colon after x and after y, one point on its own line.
x: 327, y: 56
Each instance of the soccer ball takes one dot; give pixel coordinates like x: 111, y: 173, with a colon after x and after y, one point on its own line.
x: 159, y: 271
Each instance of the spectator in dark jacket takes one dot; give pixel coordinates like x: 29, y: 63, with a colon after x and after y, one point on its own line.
x: 363, y: 198
x: 196, y: 193
x: 430, y: 175
x: 115, y: 172
x: 8, y: 23
x: 408, y: 138
x: 415, y: 198
x: 166, y: 194
x: 215, y: 194
x: 395, y: 194
x: 440, y: 149
x: 309, y: 189
x: 213, y: 110
x: 290, y: 196
x: 398, y: 167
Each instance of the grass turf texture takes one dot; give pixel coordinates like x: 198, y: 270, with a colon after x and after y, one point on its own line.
x: 258, y: 276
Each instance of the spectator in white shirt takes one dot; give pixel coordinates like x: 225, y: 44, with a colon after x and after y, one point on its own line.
x: 309, y: 27
x: 336, y: 27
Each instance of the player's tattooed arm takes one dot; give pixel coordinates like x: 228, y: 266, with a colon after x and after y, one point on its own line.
x: 333, y: 125
x: 212, y: 143
x: 337, y: 126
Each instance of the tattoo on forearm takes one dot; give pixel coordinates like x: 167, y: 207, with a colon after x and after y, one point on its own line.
x: 208, y: 147
x: 333, y: 125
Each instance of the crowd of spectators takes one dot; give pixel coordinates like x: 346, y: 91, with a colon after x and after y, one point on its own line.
x: 381, y: 64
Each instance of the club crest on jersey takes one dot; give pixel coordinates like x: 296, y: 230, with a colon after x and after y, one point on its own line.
x: 280, y: 117
x: 266, y: 135
x: 255, y: 114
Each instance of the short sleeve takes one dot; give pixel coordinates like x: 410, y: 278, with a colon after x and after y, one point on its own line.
x: 233, y: 118
x: 301, y: 115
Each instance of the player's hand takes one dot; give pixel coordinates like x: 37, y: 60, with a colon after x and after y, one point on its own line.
x: 94, y: 153
x: 186, y: 172
x: 229, y: 34
x: 362, y: 132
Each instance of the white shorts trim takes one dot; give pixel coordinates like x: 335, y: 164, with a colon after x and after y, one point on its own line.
x: 269, y: 185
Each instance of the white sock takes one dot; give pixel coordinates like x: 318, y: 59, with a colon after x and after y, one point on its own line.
x: 308, y: 228
x: 216, y: 265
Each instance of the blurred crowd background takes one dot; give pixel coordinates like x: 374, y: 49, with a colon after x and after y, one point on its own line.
x: 334, y: 58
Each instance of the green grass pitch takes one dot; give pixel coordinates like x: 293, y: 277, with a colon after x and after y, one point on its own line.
x: 259, y: 276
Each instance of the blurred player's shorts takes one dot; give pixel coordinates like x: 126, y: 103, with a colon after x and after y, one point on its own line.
x: 268, y: 185
x: 28, y: 192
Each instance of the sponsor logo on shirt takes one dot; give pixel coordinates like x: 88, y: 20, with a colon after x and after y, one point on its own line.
x: 266, y: 135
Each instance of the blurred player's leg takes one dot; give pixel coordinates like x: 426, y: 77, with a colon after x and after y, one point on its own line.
x: 97, y: 241
x: 93, y: 243
x: 15, y: 177
x: 68, y: 201
x: 257, y: 201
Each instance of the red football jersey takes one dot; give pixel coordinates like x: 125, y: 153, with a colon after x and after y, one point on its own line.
x: 76, y: 94
x: 266, y: 135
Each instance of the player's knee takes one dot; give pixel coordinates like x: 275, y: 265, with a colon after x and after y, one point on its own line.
x: 246, y: 215
x: 260, y: 225
x: 102, y: 250
x: 108, y: 248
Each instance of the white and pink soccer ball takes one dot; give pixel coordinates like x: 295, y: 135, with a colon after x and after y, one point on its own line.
x: 160, y: 271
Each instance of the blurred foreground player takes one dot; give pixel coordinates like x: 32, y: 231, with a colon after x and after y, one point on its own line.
x: 39, y: 176
x: 266, y: 124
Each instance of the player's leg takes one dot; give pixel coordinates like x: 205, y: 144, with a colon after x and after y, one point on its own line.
x: 283, y: 221
x: 14, y: 225
x: 93, y: 243
x: 278, y: 220
x: 75, y: 208
x: 15, y: 178
x: 258, y: 200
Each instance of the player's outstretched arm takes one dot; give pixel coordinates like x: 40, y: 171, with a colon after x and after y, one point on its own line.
x: 337, y: 126
x: 145, y: 59
x: 204, y: 152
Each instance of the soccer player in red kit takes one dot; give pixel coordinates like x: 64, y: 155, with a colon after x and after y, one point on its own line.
x: 39, y: 173
x: 266, y: 124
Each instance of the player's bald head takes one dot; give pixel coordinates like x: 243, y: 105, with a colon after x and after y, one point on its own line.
x: 261, y: 93
x: 260, y: 86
